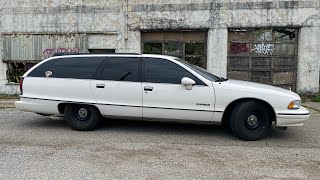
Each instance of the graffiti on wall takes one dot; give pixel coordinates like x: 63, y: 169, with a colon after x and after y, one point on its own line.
x: 264, y: 49
x: 237, y: 48
x: 49, y: 52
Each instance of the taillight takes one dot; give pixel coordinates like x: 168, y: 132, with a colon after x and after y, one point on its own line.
x: 21, y: 82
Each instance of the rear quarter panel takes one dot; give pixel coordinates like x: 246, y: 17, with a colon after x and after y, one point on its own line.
x: 76, y: 90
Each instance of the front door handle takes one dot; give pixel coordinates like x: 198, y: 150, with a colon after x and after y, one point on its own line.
x: 148, y: 88
x: 100, y: 85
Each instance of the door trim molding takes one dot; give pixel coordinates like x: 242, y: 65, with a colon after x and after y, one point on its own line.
x: 91, y: 103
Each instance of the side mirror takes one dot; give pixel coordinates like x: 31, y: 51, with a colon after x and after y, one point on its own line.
x: 188, y: 82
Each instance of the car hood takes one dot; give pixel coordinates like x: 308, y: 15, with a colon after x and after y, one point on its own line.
x: 261, y: 88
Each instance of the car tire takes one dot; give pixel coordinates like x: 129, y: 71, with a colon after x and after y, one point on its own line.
x: 250, y: 121
x: 82, y: 117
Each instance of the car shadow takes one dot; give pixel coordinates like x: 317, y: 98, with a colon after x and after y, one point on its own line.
x: 135, y: 126
x: 46, y: 122
x: 156, y: 128
x: 162, y: 127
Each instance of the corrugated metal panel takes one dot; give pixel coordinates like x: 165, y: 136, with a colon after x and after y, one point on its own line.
x: 38, y: 47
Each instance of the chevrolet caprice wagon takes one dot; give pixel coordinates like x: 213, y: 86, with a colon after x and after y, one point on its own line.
x: 86, y: 87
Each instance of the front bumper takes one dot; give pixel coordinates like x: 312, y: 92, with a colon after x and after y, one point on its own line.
x: 292, y: 117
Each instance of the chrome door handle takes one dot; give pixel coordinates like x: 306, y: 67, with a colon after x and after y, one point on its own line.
x: 148, y: 88
x: 100, y: 85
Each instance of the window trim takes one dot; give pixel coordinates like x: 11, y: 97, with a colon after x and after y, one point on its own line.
x: 98, y: 72
x: 144, y: 78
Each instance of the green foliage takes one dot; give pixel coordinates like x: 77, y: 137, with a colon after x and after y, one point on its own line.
x: 316, y: 98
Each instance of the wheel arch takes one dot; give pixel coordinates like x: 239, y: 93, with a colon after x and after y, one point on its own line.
x: 233, y: 104
x: 61, y: 106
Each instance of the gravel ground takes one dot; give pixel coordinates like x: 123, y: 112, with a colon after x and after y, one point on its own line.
x: 37, y: 147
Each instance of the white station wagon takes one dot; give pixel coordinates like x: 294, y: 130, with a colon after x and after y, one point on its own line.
x: 86, y: 87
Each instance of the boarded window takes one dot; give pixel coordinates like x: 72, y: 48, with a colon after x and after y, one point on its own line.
x: 188, y: 45
x: 263, y: 55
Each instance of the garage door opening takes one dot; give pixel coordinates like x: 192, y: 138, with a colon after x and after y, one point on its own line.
x: 266, y: 56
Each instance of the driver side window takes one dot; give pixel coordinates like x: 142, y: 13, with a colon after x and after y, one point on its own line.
x: 164, y: 71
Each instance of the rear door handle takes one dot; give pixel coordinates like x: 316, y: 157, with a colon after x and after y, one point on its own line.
x: 148, y: 88
x: 100, y: 85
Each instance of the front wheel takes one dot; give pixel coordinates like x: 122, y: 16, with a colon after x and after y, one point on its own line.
x: 250, y: 121
x: 82, y: 117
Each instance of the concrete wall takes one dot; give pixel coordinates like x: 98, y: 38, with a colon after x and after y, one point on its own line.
x: 308, y: 60
x: 125, y: 19
x: 217, y: 51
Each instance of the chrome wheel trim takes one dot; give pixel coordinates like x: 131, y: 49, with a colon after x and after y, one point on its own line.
x: 82, y: 113
x: 252, y: 120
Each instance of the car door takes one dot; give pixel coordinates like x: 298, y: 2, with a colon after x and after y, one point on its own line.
x: 165, y: 97
x: 118, y: 89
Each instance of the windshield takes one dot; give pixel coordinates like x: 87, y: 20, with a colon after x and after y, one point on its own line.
x: 199, y: 70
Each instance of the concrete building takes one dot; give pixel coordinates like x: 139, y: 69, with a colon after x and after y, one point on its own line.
x: 273, y: 42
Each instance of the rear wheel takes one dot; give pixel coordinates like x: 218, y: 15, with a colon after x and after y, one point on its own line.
x: 250, y: 121
x: 82, y: 117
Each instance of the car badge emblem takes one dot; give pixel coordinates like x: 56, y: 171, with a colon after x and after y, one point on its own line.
x: 48, y: 73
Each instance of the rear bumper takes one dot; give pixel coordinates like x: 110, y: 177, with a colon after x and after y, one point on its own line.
x: 19, y: 105
x: 292, y: 118
x: 37, y: 106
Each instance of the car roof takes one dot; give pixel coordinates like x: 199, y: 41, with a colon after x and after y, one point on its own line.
x: 61, y: 55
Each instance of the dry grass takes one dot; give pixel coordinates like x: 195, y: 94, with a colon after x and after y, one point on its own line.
x: 5, y: 96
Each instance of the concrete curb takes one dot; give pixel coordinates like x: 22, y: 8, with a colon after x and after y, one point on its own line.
x: 312, y: 105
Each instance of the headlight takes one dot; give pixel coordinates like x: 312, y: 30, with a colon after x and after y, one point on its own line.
x: 294, y: 104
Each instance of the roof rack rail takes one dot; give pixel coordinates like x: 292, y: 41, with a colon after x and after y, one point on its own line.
x: 74, y: 53
x: 126, y: 53
x: 67, y: 53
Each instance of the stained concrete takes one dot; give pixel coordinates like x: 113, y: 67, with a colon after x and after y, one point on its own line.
x: 124, y: 20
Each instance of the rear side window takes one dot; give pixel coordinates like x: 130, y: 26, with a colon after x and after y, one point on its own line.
x: 121, y: 69
x: 76, y: 67
x: 40, y: 70
x: 164, y: 71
